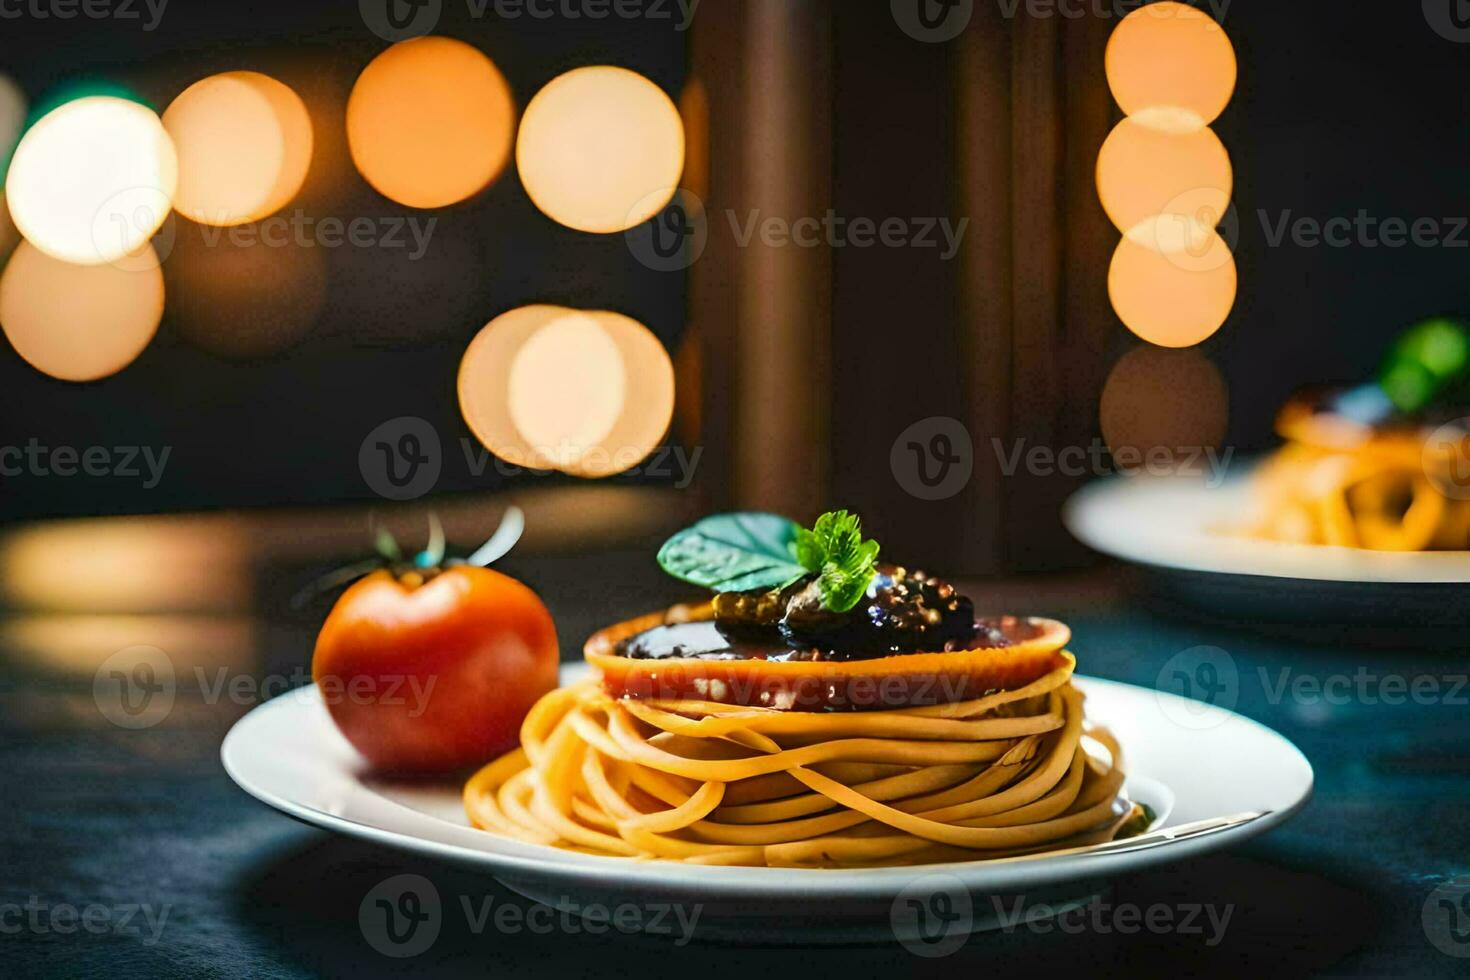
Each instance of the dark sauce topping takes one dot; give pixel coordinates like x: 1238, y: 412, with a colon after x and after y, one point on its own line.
x: 903, y: 612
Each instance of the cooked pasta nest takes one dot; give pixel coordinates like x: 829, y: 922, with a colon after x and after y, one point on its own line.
x: 1011, y: 773
x: 1351, y: 487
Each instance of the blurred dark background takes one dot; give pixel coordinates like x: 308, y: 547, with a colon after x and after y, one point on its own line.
x: 798, y: 370
x: 813, y: 105
x: 286, y: 427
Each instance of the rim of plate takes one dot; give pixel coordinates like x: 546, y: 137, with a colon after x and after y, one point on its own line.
x: 423, y: 833
x: 1168, y: 522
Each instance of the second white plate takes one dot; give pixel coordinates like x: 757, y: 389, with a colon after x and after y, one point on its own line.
x: 1178, y: 523
x: 1174, y: 529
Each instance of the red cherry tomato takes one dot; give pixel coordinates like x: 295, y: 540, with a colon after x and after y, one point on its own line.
x: 438, y: 676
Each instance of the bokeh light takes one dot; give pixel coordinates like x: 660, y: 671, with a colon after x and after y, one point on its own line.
x: 601, y: 149
x: 12, y: 118
x: 1170, y: 56
x: 128, y: 565
x: 82, y: 644
x: 244, y: 144
x: 244, y: 298
x: 76, y: 322
x: 1173, y: 299
x: 1184, y: 240
x: 1164, y: 404
x: 92, y: 180
x: 566, y: 389
x: 648, y: 407
x: 1143, y: 171
x: 430, y: 122
x: 484, y: 379
x: 590, y: 393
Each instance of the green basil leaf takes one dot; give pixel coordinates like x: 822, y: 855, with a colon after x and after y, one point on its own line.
x: 847, y: 561
x: 735, y: 553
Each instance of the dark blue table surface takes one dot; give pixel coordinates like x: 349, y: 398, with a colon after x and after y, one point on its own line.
x: 97, y: 815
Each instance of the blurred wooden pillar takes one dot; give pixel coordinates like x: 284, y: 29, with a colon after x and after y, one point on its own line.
x: 816, y: 359
x: 764, y: 310
x: 899, y: 347
x: 1032, y: 109
x: 985, y: 301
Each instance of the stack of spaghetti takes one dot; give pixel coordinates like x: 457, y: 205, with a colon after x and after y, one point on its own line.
x: 1344, y: 484
x: 1365, y: 467
x: 711, y: 783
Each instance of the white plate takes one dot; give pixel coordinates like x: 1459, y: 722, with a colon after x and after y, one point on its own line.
x: 1175, y: 523
x: 1188, y: 760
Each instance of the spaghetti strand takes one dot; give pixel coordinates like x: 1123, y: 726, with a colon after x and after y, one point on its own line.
x: 1001, y: 775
